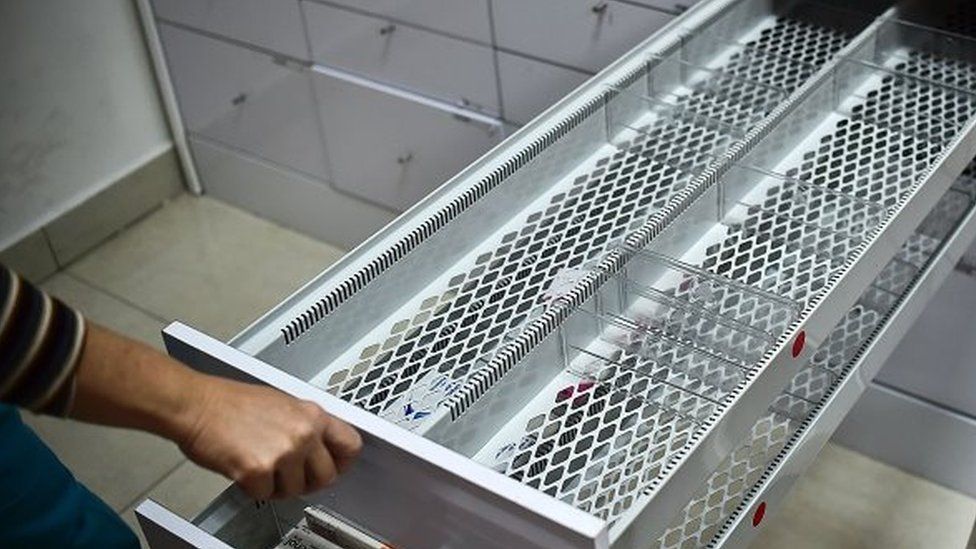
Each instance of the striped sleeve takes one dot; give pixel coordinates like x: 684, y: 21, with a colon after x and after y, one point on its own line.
x: 41, y: 340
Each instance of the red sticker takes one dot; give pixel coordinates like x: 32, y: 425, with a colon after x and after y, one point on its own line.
x: 758, y: 514
x: 798, y: 343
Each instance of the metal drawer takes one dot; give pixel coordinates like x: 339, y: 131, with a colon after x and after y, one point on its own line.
x: 557, y: 346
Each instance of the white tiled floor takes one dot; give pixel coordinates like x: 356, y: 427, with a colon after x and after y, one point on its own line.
x: 846, y: 500
x: 218, y: 268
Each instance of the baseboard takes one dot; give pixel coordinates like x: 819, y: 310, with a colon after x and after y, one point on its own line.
x: 913, y: 435
x: 286, y: 197
x: 69, y: 236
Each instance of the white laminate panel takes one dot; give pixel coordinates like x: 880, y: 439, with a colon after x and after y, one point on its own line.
x: 287, y: 198
x: 254, y: 105
x: 587, y: 34
x: 390, y: 150
x: 276, y: 25
x: 465, y: 18
x: 530, y: 86
x: 674, y: 6
x: 454, y: 70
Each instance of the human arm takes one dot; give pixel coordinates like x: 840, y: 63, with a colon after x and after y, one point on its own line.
x: 270, y: 443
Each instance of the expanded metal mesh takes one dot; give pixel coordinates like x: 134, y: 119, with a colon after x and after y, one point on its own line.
x: 724, y: 491
x: 430, y: 352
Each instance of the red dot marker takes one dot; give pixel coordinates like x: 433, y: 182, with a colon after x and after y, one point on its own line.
x: 798, y: 343
x: 758, y: 514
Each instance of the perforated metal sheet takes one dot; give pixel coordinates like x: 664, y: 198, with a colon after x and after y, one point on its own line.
x: 725, y: 489
x: 419, y: 364
x: 600, y: 435
x: 727, y: 486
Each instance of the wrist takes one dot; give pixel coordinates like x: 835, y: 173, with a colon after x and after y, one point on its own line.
x: 191, y: 398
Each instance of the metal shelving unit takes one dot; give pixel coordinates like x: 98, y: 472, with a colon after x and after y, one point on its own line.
x: 680, y: 272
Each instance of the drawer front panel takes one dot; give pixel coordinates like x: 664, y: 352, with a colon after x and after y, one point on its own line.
x: 456, y: 71
x: 530, y: 86
x: 583, y: 34
x: 390, y: 150
x: 463, y: 18
x: 256, y: 105
x: 276, y: 25
x: 673, y: 6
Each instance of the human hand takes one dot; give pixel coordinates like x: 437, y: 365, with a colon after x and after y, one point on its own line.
x: 270, y: 444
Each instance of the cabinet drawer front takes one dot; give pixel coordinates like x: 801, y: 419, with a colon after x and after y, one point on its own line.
x: 256, y: 105
x: 673, y: 6
x: 274, y: 25
x: 390, y: 150
x: 456, y: 71
x: 530, y: 86
x: 464, y: 18
x: 583, y: 34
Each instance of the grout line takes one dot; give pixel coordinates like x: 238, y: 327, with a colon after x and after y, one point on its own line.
x: 117, y: 297
x: 50, y: 247
x: 152, y: 486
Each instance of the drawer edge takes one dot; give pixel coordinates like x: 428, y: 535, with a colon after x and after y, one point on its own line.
x: 802, y: 450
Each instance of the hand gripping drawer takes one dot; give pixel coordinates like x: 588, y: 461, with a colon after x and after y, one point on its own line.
x: 557, y: 346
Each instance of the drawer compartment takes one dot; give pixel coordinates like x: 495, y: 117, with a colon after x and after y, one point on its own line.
x: 557, y: 346
x: 785, y: 442
x: 456, y: 71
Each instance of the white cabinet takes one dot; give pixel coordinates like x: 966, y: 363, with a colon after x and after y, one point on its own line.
x: 586, y: 34
x: 530, y: 86
x: 454, y: 70
x: 275, y: 25
x: 255, y: 105
x: 390, y: 150
x: 464, y: 18
x: 676, y: 6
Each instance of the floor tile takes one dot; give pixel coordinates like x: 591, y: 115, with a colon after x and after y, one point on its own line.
x: 847, y: 500
x: 189, y: 489
x: 186, y: 491
x: 105, y: 309
x: 116, y: 464
x: 31, y: 257
x: 205, y: 263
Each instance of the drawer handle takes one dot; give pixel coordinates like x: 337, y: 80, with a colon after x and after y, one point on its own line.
x: 600, y: 8
x: 387, y: 30
x: 401, y: 160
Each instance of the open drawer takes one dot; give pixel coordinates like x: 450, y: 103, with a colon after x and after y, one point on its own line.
x: 557, y: 346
